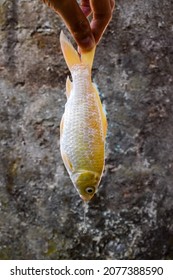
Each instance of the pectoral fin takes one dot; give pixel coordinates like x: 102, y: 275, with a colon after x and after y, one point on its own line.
x: 67, y: 162
x: 61, y: 125
x: 64, y: 156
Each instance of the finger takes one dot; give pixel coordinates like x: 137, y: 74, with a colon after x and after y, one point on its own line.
x: 75, y: 20
x: 102, y: 14
x: 85, y: 7
x: 112, y: 3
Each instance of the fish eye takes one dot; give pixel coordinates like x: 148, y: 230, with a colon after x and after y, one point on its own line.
x: 90, y: 190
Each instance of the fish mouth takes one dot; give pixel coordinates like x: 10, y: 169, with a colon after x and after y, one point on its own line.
x: 85, y: 199
x: 83, y: 180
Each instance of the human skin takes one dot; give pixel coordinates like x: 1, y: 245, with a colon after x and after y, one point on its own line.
x: 85, y: 33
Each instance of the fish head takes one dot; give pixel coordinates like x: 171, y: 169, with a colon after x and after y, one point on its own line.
x: 86, y: 182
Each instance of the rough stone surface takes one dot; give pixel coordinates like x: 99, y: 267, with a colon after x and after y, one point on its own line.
x: 41, y: 215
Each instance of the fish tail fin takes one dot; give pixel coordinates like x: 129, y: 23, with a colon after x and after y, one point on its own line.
x: 71, y: 56
x: 88, y: 57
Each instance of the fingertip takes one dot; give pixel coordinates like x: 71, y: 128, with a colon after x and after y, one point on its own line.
x: 86, y: 44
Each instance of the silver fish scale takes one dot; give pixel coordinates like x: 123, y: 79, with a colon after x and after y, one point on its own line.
x: 82, y: 138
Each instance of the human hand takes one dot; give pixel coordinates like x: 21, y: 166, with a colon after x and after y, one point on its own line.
x: 85, y: 33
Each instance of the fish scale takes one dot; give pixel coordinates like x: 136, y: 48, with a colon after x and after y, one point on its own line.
x: 78, y: 130
x: 83, y: 126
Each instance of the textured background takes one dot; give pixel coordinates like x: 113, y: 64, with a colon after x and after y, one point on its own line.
x: 41, y: 215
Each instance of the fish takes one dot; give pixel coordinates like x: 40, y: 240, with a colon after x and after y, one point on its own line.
x: 83, y: 126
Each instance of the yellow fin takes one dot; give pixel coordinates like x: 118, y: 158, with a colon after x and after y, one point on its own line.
x: 69, y: 86
x: 67, y: 162
x: 88, y: 57
x: 71, y: 56
x: 101, y: 110
x: 61, y: 125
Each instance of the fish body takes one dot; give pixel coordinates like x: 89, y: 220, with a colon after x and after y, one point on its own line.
x: 83, y: 125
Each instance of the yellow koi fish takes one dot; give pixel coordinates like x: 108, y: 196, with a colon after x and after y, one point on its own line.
x: 83, y: 125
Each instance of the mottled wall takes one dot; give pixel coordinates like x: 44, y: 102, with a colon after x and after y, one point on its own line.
x: 41, y: 215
